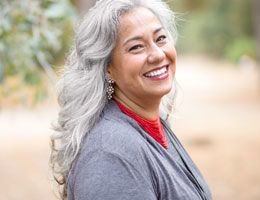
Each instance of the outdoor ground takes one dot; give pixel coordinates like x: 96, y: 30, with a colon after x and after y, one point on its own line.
x: 217, y: 117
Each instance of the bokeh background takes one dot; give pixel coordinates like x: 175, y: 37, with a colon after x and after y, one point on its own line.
x: 216, y: 114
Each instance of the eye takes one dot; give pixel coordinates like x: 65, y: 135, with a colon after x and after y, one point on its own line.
x: 136, y: 47
x: 161, y: 39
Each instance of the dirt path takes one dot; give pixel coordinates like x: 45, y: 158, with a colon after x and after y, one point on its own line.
x: 217, y: 117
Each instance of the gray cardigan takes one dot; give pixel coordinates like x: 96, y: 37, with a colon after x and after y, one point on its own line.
x: 120, y: 161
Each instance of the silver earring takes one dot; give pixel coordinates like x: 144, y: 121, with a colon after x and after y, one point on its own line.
x: 110, y: 88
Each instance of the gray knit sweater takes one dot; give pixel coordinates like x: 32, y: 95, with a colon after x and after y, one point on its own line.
x: 120, y: 161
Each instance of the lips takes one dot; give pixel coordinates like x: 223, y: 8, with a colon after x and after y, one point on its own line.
x: 158, y: 72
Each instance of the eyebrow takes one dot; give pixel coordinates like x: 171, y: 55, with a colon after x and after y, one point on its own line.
x: 140, y: 37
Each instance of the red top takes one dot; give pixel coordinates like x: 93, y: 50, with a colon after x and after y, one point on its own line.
x: 153, y: 127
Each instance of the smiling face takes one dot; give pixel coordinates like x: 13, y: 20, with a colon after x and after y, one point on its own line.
x: 143, y: 60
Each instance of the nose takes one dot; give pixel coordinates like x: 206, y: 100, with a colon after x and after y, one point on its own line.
x: 156, y: 54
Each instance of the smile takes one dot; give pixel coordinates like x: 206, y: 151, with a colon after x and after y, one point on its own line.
x: 158, y: 74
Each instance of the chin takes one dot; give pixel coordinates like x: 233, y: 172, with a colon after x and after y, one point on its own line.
x: 162, y: 92
x: 167, y: 88
x: 167, y: 92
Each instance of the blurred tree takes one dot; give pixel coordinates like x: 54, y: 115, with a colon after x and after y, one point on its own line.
x: 195, y: 5
x: 257, y: 26
x: 218, y: 27
x: 33, y: 34
x: 83, y: 5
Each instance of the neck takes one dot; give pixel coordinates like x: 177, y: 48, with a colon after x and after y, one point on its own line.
x: 147, y: 109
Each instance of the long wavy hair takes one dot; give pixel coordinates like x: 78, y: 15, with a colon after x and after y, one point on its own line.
x: 82, y: 87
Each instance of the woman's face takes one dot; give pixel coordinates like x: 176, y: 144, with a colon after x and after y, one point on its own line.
x: 143, y: 60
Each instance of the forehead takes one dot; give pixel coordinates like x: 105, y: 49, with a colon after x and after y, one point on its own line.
x: 138, y: 21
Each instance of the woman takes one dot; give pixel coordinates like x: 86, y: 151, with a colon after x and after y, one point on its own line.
x: 112, y: 140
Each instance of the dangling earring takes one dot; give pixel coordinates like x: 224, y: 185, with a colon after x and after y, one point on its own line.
x: 110, y: 88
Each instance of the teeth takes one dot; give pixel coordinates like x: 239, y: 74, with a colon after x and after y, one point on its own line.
x: 156, y: 72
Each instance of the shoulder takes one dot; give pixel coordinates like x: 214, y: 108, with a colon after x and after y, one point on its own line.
x: 105, y: 175
x: 112, y: 140
x: 113, y: 153
x: 115, y: 138
x: 116, y: 135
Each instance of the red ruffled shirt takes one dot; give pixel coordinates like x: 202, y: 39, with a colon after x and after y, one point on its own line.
x: 153, y: 127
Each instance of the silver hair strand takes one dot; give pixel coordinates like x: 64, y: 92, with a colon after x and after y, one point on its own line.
x: 82, y: 87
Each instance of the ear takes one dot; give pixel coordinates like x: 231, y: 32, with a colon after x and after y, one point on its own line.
x: 109, y: 72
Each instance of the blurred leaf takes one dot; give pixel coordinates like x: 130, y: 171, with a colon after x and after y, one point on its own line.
x: 31, y: 77
x: 29, y: 28
x: 40, y: 94
x: 241, y: 47
x: 215, y: 27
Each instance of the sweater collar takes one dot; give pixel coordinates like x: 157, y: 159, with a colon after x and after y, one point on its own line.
x: 153, y: 127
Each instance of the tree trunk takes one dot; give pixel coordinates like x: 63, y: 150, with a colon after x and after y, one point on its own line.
x: 84, y: 5
x: 257, y: 27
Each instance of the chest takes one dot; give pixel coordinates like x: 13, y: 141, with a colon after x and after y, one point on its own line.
x: 174, y: 175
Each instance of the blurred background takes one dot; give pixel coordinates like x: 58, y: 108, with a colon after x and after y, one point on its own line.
x: 217, y: 111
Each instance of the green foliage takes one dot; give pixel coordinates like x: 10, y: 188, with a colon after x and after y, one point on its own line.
x: 239, y: 47
x: 30, y: 29
x: 32, y: 77
x: 217, y: 27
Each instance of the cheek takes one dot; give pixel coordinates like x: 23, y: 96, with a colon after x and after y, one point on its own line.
x: 171, y: 54
x: 129, y: 68
x: 133, y: 65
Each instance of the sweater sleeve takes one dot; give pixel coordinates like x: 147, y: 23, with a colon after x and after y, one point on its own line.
x: 106, y: 176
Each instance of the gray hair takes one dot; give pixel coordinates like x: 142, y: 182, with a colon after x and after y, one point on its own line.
x: 82, y: 87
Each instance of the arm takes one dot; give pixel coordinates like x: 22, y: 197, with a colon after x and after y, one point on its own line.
x: 106, y: 176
